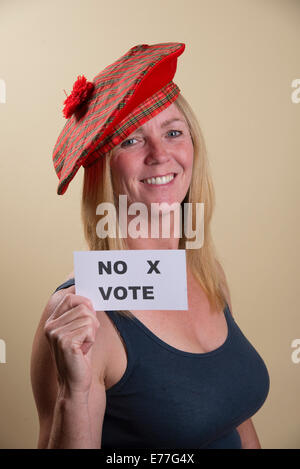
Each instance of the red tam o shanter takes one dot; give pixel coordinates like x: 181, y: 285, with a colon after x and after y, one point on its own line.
x: 121, y: 98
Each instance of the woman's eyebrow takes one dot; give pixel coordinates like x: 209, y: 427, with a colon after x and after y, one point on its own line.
x: 167, y: 122
x: 163, y: 124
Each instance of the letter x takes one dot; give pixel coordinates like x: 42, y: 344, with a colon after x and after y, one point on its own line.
x: 153, y: 267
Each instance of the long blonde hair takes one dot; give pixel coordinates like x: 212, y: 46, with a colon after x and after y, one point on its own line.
x: 203, y: 262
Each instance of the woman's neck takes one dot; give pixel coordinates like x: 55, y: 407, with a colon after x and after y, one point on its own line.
x: 152, y: 243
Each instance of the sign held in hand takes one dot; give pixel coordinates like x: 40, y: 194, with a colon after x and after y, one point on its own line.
x: 132, y: 279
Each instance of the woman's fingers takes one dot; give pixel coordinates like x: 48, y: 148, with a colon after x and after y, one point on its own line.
x: 71, y: 336
x: 79, y: 311
x: 70, y: 301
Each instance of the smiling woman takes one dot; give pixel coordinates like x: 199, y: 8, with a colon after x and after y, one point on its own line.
x: 155, y: 378
x: 156, y: 150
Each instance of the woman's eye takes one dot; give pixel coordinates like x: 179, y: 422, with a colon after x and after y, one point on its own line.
x: 126, y: 142
x: 178, y: 132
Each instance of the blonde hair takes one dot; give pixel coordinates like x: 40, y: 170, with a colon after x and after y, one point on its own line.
x: 203, y: 262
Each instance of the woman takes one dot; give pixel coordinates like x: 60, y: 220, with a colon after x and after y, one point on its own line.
x: 148, y: 379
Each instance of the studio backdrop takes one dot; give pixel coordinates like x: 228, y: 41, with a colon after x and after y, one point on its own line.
x: 241, y: 74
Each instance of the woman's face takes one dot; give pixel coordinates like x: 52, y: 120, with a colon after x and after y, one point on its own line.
x: 154, y: 163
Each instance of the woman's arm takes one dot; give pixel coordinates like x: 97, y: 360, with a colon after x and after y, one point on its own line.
x: 66, y: 420
x: 77, y: 419
x: 248, y: 435
x: 74, y: 425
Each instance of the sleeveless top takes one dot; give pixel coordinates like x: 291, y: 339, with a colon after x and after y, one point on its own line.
x: 169, y: 398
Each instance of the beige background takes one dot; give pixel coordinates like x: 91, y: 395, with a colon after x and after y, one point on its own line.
x: 240, y: 60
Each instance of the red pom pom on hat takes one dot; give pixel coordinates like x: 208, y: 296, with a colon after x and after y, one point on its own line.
x: 82, y: 90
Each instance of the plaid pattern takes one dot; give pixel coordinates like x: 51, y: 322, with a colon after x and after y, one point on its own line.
x: 127, y: 93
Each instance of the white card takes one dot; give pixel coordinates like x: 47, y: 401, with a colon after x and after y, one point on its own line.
x: 132, y: 279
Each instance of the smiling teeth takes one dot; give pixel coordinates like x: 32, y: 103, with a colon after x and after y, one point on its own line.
x: 160, y: 180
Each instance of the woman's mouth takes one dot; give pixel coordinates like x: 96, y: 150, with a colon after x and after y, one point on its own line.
x: 159, y: 180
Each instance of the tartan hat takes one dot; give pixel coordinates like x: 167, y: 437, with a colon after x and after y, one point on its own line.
x: 121, y: 98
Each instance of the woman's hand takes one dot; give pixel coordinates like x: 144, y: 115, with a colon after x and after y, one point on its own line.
x: 71, y: 331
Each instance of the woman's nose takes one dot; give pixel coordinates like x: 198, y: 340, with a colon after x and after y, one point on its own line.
x: 156, y: 153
